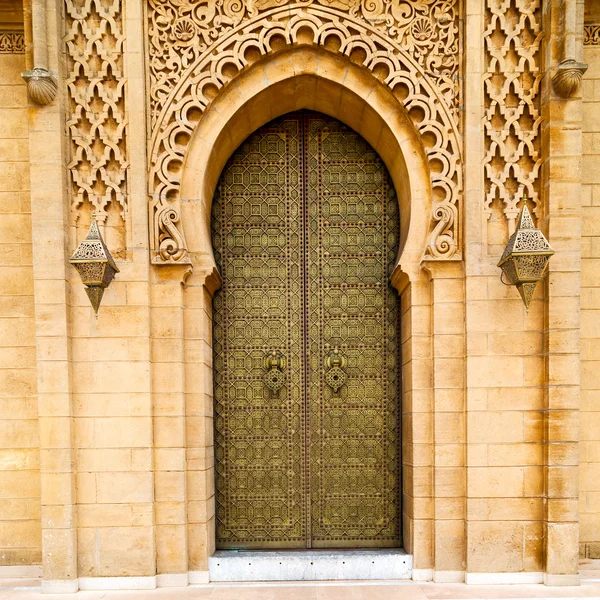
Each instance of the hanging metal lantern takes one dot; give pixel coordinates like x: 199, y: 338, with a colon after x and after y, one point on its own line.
x: 94, y: 264
x: 526, y: 256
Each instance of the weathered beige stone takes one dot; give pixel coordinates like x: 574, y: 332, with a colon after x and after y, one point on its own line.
x: 106, y: 425
x: 487, y: 538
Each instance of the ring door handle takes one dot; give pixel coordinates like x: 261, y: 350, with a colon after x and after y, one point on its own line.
x: 274, y: 378
x: 335, y: 376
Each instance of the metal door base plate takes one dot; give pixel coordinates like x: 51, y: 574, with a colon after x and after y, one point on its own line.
x: 309, y: 565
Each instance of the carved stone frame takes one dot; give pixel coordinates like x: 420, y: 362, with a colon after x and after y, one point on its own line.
x: 312, y: 78
x: 224, y: 65
x: 320, y: 58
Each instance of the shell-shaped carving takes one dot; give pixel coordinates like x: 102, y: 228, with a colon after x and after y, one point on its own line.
x: 422, y: 29
x: 184, y: 29
x: 41, y: 85
x: 567, y: 79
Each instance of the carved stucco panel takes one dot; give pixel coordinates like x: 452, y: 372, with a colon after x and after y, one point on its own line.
x: 512, y: 78
x: 181, y: 31
x: 196, y: 47
x: 96, y: 121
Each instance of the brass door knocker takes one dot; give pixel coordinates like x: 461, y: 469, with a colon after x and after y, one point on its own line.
x: 335, y: 377
x: 274, y: 378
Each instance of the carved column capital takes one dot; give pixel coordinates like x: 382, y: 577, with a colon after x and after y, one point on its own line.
x: 41, y: 85
x: 41, y: 81
x: 568, y: 74
x: 567, y: 78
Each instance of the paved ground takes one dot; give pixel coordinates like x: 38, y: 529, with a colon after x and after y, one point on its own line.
x: 590, y: 588
x: 323, y: 591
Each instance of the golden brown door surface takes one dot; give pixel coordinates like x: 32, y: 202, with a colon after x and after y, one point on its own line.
x: 306, y: 366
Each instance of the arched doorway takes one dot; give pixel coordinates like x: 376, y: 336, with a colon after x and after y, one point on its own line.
x: 306, y: 341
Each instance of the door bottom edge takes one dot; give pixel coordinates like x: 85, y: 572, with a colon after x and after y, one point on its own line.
x: 310, y: 565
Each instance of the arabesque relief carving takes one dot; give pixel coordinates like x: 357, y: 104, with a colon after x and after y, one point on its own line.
x: 12, y: 42
x: 197, y: 46
x: 512, y: 79
x: 591, y: 35
x: 96, y: 92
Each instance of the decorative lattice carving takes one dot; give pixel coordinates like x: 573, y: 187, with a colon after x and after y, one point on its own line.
x: 591, y: 35
x: 195, y: 48
x: 512, y: 79
x: 96, y: 91
x: 305, y: 230
x: 12, y: 42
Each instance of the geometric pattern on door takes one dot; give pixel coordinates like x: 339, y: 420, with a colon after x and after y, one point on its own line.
x: 306, y: 341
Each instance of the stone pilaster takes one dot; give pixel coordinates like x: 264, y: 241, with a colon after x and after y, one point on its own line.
x: 449, y: 427
x: 562, y: 202
x: 199, y: 424
x: 169, y: 416
x: 417, y: 422
x: 49, y: 216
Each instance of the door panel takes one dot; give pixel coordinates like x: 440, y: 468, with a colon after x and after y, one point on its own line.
x: 257, y: 236
x: 353, y: 431
x: 305, y: 232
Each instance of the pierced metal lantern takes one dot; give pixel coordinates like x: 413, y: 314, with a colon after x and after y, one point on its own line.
x: 94, y: 264
x: 526, y: 256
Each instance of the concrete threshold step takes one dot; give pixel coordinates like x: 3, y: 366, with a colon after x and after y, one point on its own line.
x: 309, y: 565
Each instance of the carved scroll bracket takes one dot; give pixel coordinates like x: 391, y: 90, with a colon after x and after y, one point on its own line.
x: 167, y: 236
x: 195, y: 50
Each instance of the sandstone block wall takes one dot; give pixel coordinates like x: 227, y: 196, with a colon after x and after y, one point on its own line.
x: 20, y: 527
x: 589, y: 500
x: 125, y: 400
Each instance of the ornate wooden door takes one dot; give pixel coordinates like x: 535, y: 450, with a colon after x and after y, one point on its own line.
x: 306, y: 341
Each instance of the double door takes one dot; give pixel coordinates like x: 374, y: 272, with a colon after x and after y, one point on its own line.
x: 306, y: 341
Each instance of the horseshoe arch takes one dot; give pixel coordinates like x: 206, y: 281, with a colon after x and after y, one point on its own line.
x: 327, y: 40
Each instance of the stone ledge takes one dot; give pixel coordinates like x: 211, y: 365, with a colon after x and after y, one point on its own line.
x: 117, y: 583
x: 17, y: 571
x: 504, y: 578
